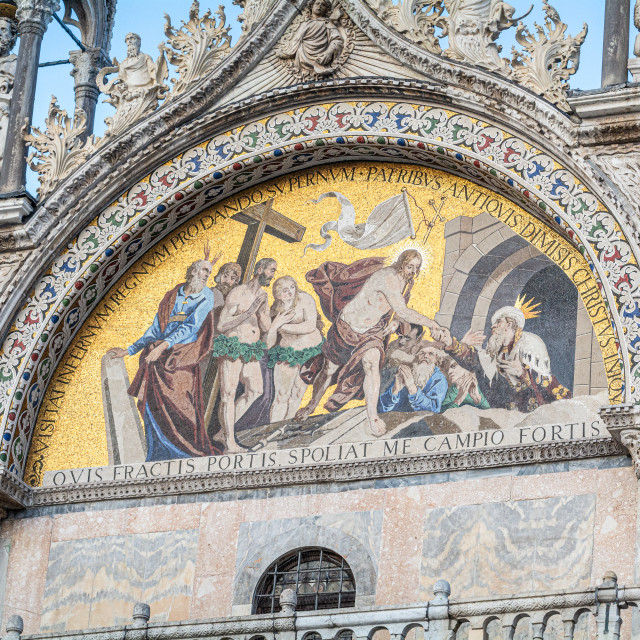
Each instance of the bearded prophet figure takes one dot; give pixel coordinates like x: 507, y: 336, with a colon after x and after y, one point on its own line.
x: 514, y: 370
x: 293, y: 339
x: 420, y: 386
x: 137, y: 70
x: 168, y: 382
x: 317, y: 43
x: 360, y: 299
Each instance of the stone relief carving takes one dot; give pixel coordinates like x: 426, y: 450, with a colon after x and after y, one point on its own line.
x: 138, y: 87
x: 549, y: 59
x: 8, y: 36
x: 60, y: 149
x: 321, y: 43
x: 252, y: 12
x: 197, y: 46
x: 416, y: 19
x: 624, y: 171
x: 472, y: 27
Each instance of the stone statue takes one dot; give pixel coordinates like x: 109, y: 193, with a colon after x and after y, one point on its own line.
x: 636, y: 22
x: 473, y: 27
x: 8, y: 36
x: 137, y: 88
x: 318, y: 43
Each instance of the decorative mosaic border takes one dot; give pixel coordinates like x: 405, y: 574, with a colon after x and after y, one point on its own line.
x: 284, y: 143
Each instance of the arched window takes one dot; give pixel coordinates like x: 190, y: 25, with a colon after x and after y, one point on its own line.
x: 321, y: 578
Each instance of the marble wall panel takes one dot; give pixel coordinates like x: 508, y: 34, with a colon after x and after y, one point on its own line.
x: 94, y: 582
x: 509, y: 547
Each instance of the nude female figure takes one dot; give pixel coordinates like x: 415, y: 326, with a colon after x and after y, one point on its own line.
x: 294, y: 338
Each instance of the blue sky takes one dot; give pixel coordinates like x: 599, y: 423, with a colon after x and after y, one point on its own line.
x: 146, y: 17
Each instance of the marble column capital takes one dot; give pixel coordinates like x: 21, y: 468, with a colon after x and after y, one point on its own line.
x: 623, y: 423
x: 86, y: 65
x: 34, y: 16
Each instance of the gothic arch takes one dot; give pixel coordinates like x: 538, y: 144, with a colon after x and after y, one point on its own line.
x: 427, y: 135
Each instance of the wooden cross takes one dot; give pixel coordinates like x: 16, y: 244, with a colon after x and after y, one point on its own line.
x: 260, y: 219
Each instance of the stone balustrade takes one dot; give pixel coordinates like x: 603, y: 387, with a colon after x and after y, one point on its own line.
x: 537, y: 616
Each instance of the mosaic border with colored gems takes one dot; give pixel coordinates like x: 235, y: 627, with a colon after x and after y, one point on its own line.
x: 281, y: 144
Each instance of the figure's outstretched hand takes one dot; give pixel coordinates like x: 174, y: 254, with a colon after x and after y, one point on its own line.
x: 117, y: 352
x: 442, y: 334
x: 474, y: 338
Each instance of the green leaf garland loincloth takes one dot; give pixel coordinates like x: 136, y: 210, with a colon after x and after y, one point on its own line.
x: 232, y: 348
x: 292, y: 357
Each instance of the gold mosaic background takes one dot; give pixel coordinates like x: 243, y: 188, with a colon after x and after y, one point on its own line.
x: 78, y: 438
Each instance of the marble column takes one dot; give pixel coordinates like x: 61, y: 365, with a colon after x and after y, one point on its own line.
x: 615, y: 50
x: 33, y: 17
x: 86, y: 65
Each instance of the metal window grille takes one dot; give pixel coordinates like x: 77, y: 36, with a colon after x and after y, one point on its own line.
x: 322, y: 580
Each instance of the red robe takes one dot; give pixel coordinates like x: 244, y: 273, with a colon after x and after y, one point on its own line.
x: 336, y: 284
x: 172, y: 388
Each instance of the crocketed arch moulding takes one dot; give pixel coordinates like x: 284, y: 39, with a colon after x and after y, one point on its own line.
x: 286, y: 142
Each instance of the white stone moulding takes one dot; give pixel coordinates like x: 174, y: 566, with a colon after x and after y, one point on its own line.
x: 339, y: 472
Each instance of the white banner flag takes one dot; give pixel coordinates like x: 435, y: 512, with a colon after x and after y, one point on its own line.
x: 387, y: 224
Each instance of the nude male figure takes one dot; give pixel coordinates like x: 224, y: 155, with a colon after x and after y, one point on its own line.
x: 239, y: 347
x: 360, y: 327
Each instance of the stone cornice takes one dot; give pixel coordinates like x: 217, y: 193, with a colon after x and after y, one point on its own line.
x: 341, y: 472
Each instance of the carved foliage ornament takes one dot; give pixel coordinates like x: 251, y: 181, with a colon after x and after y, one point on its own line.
x: 549, y: 59
x: 196, y: 47
x: 472, y: 27
x: 60, y: 149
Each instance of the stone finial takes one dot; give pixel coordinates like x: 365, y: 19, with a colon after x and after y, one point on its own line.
x: 442, y: 591
x: 288, y: 601
x: 15, y: 627
x: 141, y: 614
x: 609, y: 577
x: 623, y: 423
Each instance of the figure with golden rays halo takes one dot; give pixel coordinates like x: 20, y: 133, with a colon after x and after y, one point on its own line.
x: 514, y: 369
x: 365, y: 301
